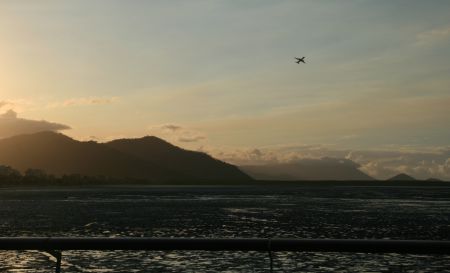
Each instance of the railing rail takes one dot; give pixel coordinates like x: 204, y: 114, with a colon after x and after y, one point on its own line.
x: 55, y: 245
x: 232, y: 244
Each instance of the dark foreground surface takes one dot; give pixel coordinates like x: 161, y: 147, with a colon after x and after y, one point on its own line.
x: 342, y: 212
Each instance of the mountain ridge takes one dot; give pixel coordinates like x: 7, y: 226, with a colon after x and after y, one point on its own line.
x: 59, y: 154
x: 191, y: 163
x: 309, y: 169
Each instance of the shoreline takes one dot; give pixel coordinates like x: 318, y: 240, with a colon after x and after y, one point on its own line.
x: 253, y: 184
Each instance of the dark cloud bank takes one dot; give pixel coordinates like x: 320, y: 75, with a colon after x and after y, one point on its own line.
x: 11, y: 125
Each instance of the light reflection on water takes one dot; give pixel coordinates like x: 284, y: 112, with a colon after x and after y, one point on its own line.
x: 401, y: 213
x: 189, y: 261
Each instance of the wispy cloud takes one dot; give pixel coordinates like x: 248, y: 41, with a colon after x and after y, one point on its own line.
x: 333, y: 122
x: 170, y: 127
x: 15, y: 105
x: 3, y: 103
x: 19, y: 105
x: 433, y: 36
x: 83, y: 102
x: 192, y: 138
x: 177, y: 133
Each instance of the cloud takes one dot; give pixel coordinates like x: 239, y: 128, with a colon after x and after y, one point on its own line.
x: 10, y: 104
x: 170, y: 127
x: 275, y: 154
x: 421, y: 163
x: 83, y: 102
x: 11, y: 125
x: 18, y: 104
x: 191, y: 138
x: 366, y: 121
x: 177, y: 133
x: 3, y: 103
x: 433, y: 36
x: 245, y: 156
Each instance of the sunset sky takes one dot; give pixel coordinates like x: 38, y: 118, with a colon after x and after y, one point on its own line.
x: 220, y: 76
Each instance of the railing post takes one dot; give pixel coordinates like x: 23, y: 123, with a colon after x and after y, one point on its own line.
x: 269, y: 249
x: 58, y: 262
x: 58, y: 255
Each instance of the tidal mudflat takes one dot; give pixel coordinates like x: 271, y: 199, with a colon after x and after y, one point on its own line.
x: 340, y: 212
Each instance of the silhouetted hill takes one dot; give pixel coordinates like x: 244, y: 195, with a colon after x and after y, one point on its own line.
x: 193, y: 164
x: 402, y: 177
x: 58, y: 154
x: 309, y: 169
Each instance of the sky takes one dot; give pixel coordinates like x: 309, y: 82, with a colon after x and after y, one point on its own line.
x: 220, y: 76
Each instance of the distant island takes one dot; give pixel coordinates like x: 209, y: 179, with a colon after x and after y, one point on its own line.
x: 50, y: 158
x: 402, y: 177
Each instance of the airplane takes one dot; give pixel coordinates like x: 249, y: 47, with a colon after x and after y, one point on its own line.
x: 302, y: 59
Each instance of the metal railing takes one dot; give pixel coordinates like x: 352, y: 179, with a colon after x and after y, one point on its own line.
x: 55, y: 246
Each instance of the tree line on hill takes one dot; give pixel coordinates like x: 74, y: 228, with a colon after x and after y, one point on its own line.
x: 36, y: 177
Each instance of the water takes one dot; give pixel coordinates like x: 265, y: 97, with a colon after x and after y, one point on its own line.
x: 282, y: 212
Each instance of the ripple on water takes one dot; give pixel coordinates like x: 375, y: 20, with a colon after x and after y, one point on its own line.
x: 402, y: 214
